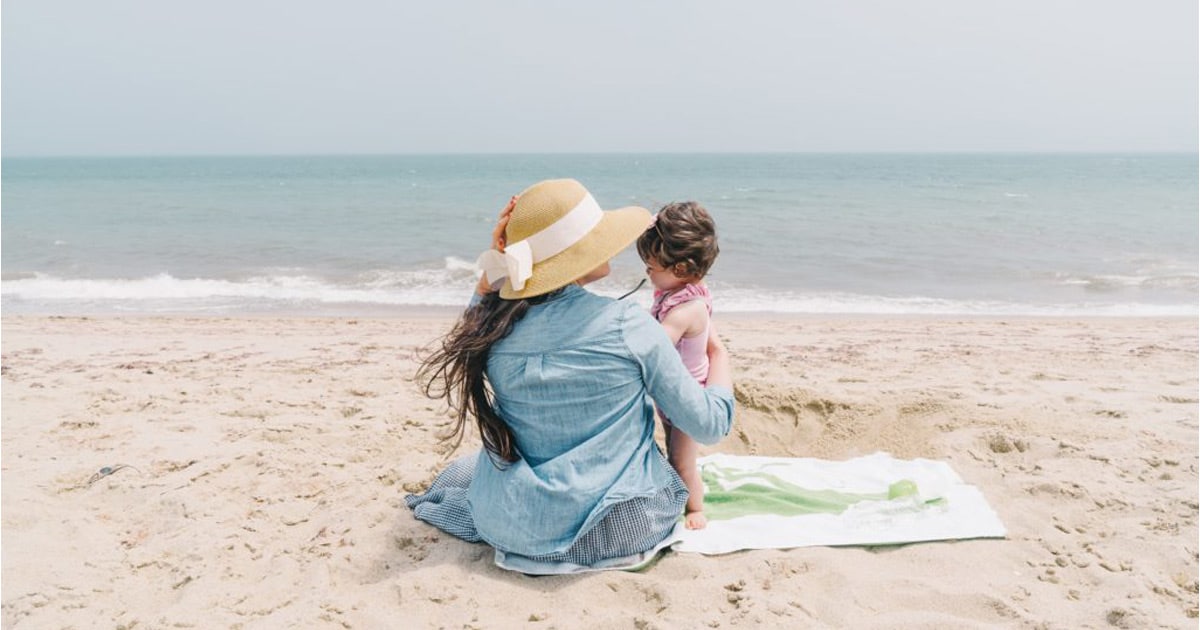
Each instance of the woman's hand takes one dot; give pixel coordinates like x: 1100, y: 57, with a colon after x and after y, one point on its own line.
x: 714, y: 342
x: 502, y: 224
x: 719, y: 372
x: 498, y: 242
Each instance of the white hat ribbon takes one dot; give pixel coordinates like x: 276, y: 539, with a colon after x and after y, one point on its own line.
x: 517, y: 260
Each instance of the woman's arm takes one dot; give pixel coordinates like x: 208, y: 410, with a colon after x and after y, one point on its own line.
x: 705, y: 414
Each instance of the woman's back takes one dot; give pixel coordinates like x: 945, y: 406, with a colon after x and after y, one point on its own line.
x: 564, y: 375
x: 572, y: 381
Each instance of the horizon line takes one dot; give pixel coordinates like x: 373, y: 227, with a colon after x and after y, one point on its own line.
x: 581, y: 153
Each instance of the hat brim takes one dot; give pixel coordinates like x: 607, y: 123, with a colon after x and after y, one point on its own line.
x: 617, y: 230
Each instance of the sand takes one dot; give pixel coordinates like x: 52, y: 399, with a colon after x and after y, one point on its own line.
x: 259, y: 466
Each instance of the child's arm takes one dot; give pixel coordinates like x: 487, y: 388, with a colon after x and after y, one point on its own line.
x: 686, y: 320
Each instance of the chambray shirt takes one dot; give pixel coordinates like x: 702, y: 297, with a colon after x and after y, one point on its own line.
x: 575, y: 381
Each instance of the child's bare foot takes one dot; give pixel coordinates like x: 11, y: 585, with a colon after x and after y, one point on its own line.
x: 695, y: 520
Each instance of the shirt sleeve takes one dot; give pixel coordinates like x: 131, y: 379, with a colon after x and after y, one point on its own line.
x: 705, y: 414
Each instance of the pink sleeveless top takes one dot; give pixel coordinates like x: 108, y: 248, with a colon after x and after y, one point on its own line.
x: 693, y: 350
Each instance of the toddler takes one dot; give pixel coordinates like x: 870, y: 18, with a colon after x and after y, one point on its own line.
x: 678, y: 249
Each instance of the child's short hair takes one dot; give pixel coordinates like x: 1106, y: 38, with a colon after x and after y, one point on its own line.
x: 682, y: 239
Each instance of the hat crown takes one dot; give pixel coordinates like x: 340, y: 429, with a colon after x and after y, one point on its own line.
x: 541, y: 205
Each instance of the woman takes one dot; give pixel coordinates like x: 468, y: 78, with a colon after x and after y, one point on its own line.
x: 560, y: 383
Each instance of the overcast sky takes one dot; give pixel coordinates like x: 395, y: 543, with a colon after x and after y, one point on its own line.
x: 92, y: 77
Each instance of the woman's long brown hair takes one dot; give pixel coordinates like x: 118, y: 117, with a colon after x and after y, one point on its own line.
x: 457, y: 371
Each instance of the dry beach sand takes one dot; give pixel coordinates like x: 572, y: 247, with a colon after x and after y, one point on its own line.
x: 267, y: 460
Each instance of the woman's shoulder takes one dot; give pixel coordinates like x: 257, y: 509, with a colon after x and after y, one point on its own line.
x: 625, y: 313
x: 598, y: 312
x: 596, y: 303
x: 602, y: 306
x: 578, y: 319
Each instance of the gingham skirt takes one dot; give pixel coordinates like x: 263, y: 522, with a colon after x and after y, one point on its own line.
x: 630, y: 527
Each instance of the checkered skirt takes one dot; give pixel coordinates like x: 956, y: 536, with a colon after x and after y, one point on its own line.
x: 630, y: 527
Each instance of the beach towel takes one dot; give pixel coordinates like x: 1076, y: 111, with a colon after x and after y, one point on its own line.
x: 777, y: 503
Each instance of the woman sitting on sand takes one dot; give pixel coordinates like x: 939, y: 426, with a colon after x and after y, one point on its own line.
x: 560, y: 382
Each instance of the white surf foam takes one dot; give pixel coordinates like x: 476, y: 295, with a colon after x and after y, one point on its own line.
x: 450, y: 286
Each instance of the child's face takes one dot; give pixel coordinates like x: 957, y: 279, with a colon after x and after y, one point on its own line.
x: 663, y: 279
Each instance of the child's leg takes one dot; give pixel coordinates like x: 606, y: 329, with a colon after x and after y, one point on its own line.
x: 682, y: 452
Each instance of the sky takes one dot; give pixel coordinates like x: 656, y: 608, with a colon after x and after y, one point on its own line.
x: 121, y: 77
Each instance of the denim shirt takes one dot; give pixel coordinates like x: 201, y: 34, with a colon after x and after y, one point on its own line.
x: 575, y: 381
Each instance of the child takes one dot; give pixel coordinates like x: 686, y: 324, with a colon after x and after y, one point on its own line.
x: 678, y: 249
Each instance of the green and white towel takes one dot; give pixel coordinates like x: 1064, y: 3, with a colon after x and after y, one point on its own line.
x: 782, y: 502
x: 777, y: 502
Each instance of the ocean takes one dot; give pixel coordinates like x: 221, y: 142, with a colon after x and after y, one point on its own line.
x: 957, y: 234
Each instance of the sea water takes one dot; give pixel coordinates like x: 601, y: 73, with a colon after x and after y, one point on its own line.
x: 1001, y: 234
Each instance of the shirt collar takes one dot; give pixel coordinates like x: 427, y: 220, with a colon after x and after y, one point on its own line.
x: 571, y: 290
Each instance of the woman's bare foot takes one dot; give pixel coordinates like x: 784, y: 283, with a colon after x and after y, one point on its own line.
x: 695, y: 520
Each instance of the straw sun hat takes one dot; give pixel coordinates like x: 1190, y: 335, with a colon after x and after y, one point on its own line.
x: 556, y: 235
